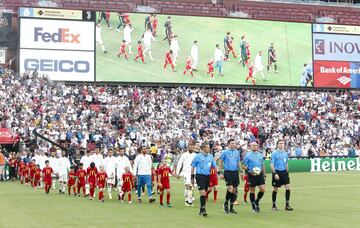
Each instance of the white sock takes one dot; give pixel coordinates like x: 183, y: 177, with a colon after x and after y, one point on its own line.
x: 189, y: 194
x: 103, y: 48
x: 87, y: 189
x: 150, y: 55
x: 130, y: 48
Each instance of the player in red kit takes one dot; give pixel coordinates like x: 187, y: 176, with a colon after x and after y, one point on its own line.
x: 213, y: 183
x: 188, y: 66
x: 37, y: 176
x: 250, y: 76
x: 164, y: 182
x: 126, y: 18
x: 168, y: 60
x: 140, y: 53
x: 231, y: 47
x: 210, y: 66
x: 32, y: 167
x: 21, y: 171
x: 246, y: 187
x: 72, y: 180
x: 154, y: 24
x: 91, y: 179
x: 127, y: 179
x: 157, y: 174
x: 47, y: 176
x: 122, y: 50
x: 26, y: 173
x: 80, y: 179
x: 101, y: 181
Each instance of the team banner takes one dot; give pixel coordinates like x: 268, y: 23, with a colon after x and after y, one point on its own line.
x: 51, y: 13
x: 331, y: 28
x: 59, y: 65
x: 134, y: 47
x: 56, y: 34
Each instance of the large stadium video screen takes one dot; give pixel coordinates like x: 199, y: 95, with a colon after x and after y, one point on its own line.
x: 273, y: 53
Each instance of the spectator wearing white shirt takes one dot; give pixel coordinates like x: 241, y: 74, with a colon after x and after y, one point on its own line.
x: 142, y: 168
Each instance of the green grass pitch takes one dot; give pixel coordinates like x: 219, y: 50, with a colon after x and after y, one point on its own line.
x: 319, y: 200
x: 292, y: 43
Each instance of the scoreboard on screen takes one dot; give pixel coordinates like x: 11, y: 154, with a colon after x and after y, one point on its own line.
x: 59, y: 43
x: 336, y: 51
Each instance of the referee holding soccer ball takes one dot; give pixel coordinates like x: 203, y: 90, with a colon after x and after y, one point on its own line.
x: 254, y: 164
x: 280, y: 174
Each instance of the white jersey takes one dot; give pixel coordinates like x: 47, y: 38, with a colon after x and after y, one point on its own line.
x: 53, y: 163
x: 148, y: 37
x: 174, y: 46
x: 185, y: 163
x: 127, y: 34
x: 98, y: 34
x: 143, y: 164
x: 63, y: 165
x: 97, y: 159
x: 121, y: 162
x: 110, y: 165
x: 258, y: 63
x: 86, y: 160
x: 43, y: 158
x: 194, y: 51
x: 218, y: 55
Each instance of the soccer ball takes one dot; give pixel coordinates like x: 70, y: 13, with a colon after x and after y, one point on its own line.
x: 256, y: 171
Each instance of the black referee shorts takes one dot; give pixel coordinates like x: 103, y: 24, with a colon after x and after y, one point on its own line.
x: 284, y: 179
x: 256, y: 180
x: 202, y: 181
x: 231, y: 178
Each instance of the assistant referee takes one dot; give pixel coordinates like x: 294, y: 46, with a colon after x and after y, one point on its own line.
x: 230, y: 160
x: 202, y: 163
x: 280, y: 174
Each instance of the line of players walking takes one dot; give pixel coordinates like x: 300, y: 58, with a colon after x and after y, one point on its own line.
x: 202, y: 167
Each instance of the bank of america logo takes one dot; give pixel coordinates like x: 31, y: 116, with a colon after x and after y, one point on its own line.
x: 319, y: 46
x: 344, y: 80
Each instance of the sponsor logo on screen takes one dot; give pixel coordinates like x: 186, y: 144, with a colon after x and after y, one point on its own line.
x: 55, y: 65
x: 319, y: 47
x: 63, y: 35
x: 344, y: 80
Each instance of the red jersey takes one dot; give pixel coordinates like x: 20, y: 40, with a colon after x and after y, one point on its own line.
x: 164, y: 174
x: 213, y: 177
x: 32, y: 167
x: 72, y: 177
x: 140, y: 49
x: 37, y: 173
x: 154, y: 23
x: 101, y: 178
x: 127, y: 179
x: 47, y: 171
x: 26, y: 170
x: 80, y: 174
x: 188, y: 64
x: 107, y: 14
x: 168, y: 57
x: 251, y: 71
x: 13, y: 162
x: 22, y: 167
x: 210, y: 65
x: 91, y: 173
x: 122, y: 48
x: 126, y: 18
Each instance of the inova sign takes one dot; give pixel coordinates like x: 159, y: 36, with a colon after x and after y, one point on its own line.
x: 331, y: 165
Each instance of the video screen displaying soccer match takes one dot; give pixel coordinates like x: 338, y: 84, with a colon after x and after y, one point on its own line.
x: 147, y: 48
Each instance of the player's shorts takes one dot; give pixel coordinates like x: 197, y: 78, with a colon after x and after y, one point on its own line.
x: 202, y: 181
x: 147, y: 45
x: 284, y: 179
x: 126, y: 188
x: 246, y: 186
x: 272, y: 60
x: 213, y: 181
x: 99, y: 41
x: 81, y: 183
x: 111, y: 181
x: 188, y: 67
x: 187, y: 178
x: 101, y: 185
x: 48, y: 181
x: 127, y: 40
x: 63, y: 177
x: 256, y: 180
x: 231, y: 178
x: 258, y: 68
x: 91, y: 182
x: 71, y: 182
x: 165, y: 185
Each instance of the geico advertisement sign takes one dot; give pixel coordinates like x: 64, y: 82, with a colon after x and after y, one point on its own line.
x: 336, y: 47
x: 59, y: 65
x: 56, y: 34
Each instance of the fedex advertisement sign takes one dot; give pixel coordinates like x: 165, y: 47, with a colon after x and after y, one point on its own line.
x: 59, y: 65
x: 56, y: 34
x: 336, y: 47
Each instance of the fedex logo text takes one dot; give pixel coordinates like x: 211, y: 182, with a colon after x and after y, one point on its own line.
x: 62, y: 36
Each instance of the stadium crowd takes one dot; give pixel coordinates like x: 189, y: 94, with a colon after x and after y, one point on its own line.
x: 84, y: 116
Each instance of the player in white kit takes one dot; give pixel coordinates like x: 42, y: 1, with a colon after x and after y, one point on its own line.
x: 258, y: 67
x: 99, y: 38
x: 53, y: 163
x: 195, y: 55
x: 174, y: 46
x: 148, y: 37
x: 127, y: 36
x: 63, y: 169
x: 184, y: 167
x: 86, y: 160
x: 109, y: 163
x: 121, y: 162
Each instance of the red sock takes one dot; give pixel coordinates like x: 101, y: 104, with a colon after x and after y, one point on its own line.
x: 129, y: 196
x: 184, y: 72
x: 126, y: 57
x: 253, y: 81
x: 69, y: 189
x: 161, y: 197
x: 212, y: 75
x: 74, y: 189
x: 168, y: 197
x: 78, y: 189
x: 215, y: 195
x: 136, y: 58
x: 207, y: 195
x: 92, y: 191
x: 84, y: 192
x: 165, y: 66
x: 245, y: 197
x: 101, y: 195
x: 172, y: 66
x: 191, y: 73
x: 247, y: 78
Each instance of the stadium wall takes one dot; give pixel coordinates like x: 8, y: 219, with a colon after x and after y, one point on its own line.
x: 255, y: 10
